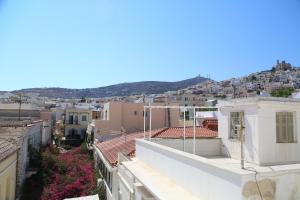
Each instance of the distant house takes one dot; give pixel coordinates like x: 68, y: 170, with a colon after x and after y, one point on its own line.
x: 77, y: 121
x: 8, y: 167
x: 122, y: 117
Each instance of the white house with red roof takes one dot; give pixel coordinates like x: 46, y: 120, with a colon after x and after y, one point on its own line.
x: 257, y: 157
x: 109, y: 154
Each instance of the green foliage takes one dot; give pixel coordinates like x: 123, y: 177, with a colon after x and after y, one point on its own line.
x: 35, y: 157
x: 283, y: 92
x: 101, y: 191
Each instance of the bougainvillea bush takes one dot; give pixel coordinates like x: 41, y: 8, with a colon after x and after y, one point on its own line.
x: 67, y: 175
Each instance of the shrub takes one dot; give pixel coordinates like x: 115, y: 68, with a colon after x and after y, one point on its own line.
x: 283, y: 92
x: 68, y: 175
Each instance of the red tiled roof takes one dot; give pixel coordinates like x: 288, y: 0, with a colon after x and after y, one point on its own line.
x: 123, y: 144
x: 189, y: 133
x: 126, y: 144
x: 6, y: 149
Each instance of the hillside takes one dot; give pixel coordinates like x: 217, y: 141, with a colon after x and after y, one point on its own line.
x: 123, y: 89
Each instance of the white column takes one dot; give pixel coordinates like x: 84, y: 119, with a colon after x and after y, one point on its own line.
x: 144, y: 122
x: 184, y: 128
x: 194, y: 148
x: 150, y: 125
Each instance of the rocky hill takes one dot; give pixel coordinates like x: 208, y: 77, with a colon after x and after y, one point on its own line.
x: 123, y: 89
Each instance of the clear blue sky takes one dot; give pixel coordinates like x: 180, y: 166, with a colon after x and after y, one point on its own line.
x: 91, y: 43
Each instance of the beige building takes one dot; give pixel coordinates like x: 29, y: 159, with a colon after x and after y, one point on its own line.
x: 24, y: 136
x: 77, y: 121
x: 8, y: 167
x: 123, y: 117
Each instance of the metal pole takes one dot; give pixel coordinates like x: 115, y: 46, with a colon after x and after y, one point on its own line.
x: 194, y: 150
x: 242, y: 139
x: 184, y: 128
x: 144, y: 122
x: 150, y: 125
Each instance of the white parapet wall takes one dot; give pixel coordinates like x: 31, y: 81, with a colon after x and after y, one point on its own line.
x: 190, y: 172
x: 204, y: 146
x: 212, y: 178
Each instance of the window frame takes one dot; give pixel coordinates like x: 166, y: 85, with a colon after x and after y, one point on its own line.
x: 230, y: 135
x: 294, y: 135
x: 84, y: 117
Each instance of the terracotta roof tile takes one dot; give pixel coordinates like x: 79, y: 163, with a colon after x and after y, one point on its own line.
x: 126, y: 144
x: 6, y: 149
x: 189, y: 133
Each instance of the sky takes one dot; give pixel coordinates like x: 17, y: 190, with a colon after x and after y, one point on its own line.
x: 93, y: 43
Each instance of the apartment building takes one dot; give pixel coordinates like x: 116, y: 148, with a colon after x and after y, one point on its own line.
x: 8, y: 167
x: 77, y: 121
x: 123, y: 117
x: 258, y: 157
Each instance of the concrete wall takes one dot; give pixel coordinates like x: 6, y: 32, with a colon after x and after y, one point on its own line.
x: 260, y: 144
x: 8, y: 177
x: 22, y: 161
x: 120, y: 116
x: 190, y: 172
x: 35, y: 135
x: 270, y: 152
x: 209, y: 179
x: 46, y: 133
x: 204, y: 147
x: 284, y: 185
x: 232, y: 147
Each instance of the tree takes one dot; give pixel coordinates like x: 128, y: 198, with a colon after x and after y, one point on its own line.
x: 283, y: 92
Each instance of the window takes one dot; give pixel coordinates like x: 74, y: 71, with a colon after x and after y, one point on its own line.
x: 135, y: 112
x: 235, y: 124
x: 84, y: 118
x: 285, y: 127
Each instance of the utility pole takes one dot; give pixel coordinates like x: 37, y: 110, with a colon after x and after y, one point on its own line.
x: 20, y: 105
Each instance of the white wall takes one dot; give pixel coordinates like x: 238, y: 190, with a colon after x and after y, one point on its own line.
x: 232, y: 147
x: 46, y: 133
x: 188, y: 171
x: 270, y: 152
x: 204, y: 147
x: 206, y: 180
x: 260, y: 132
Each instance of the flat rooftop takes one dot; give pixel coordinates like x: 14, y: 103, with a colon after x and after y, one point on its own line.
x: 234, y: 165
x: 164, y: 187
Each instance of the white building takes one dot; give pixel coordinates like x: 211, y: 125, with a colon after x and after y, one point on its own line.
x: 270, y: 151
x: 77, y: 121
x: 110, y: 153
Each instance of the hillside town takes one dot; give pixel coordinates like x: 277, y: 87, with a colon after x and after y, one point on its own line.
x: 233, y: 139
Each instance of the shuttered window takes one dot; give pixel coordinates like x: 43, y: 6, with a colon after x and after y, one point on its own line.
x: 235, y: 124
x: 285, y: 127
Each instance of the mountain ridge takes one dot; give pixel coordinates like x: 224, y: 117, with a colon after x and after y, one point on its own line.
x: 121, y: 89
